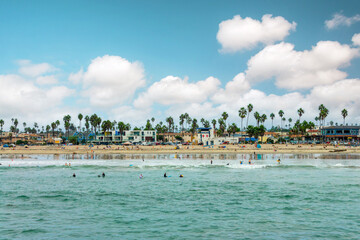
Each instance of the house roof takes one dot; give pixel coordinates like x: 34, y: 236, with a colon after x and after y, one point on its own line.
x: 342, y: 127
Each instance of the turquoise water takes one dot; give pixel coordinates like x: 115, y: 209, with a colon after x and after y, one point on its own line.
x: 305, y: 197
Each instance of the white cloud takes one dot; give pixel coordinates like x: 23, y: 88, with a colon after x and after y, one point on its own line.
x: 20, y: 97
x: 46, y: 80
x: 233, y: 89
x: 33, y: 70
x: 174, y: 90
x: 301, y: 69
x: 245, y: 33
x: 341, y: 20
x: 110, y: 80
x: 356, y: 39
x: 76, y: 78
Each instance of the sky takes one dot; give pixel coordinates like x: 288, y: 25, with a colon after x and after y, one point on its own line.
x: 133, y: 60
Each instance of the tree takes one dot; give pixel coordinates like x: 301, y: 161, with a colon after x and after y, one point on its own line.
x: 257, y: 117
x: 344, y: 114
x: 123, y: 127
x: 170, y: 122
x: 222, y: 126
x: 232, y: 129
x: 281, y: 114
x: 80, y: 117
x: 87, y: 125
x: 272, y: 116
x: 67, y: 119
x: 290, y: 120
x: 213, y: 122
x: 24, y: 125
x: 225, y: 115
x: 300, y: 112
x: 242, y: 115
x: 263, y: 118
x: 105, y: 126
x: 148, y: 125
x: 1, y: 124
x: 53, y: 126
x: 152, y: 120
x: 181, y: 121
x: 194, y: 126
x: 249, y: 110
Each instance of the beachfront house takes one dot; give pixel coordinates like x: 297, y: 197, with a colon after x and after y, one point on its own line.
x: 207, y: 137
x: 341, y: 133
x: 133, y: 136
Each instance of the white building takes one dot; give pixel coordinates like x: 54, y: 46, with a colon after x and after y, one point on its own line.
x: 207, y: 137
x: 133, y: 136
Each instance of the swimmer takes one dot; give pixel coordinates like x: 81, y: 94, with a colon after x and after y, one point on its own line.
x: 181, y: 175
x: 211, y: 162
x: 99, y: 175
x: 103, y: 174
x: 165, y: 175
x: 228, y: 164
x: 241, y: 162
x: 74, y: 175
x: 250, y: 161
x: 278, y: 161
x: 141, y: 176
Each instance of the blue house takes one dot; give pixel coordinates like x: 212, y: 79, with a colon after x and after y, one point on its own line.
x: 341, y: 133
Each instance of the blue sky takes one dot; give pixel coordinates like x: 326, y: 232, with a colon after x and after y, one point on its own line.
x: 168, y: 38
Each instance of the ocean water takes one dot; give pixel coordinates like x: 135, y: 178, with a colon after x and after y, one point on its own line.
x: 304, y: 197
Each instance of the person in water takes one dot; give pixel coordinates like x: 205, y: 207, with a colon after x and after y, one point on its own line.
x: 141, y: 176
x: 278, y: 161
x: 74, y: 175
x: 181, y: 176
x: 250, y: 161
x: 240, y: 162
x: 103, y: 174
x: 165, y: 175
x: 211, y: 162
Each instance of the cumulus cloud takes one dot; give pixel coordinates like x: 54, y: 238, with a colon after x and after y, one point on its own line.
x: 245, y: 33
x: 301, y: 69
x: 238, y: 86
x: 19, y: 96
x: 30, y: 69
x: 110, y: 80
x: 356, y: 39
x: 46, y: 80
x: 174, y: 90
x: 341, y: 20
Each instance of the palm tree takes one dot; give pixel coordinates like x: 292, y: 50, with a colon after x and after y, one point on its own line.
x: 16, y: 122
x: 272, y: 116
x: 1, y: 124
x: 122, y: 127
x: 213, y: 122
x: 67, y: 119
x: 257, y: 117
x: 263, y: 118
x: 249, y: 108
x: 300, y: 112
x: 242, y: 115
x: 225, y: 115
x: 281, y: 114
x: 181, y: 121
x: 344, y: 114
x: 170, y: 122
x: 80, y: 117
x: 290, y: 120
x: 53, y: 126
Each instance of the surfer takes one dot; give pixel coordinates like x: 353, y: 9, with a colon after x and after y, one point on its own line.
x: 103, y: 174
x: 181, y: 176
x: 165, y: 175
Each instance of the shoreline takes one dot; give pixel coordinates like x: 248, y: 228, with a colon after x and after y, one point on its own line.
x: 229, y: 149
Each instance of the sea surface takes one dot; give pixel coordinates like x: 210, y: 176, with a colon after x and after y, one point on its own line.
x: 304, y: 197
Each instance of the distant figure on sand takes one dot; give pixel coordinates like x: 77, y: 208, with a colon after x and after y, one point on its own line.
x: 165, y: 175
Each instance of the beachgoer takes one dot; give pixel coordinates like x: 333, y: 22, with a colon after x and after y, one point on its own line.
x: 74, y: 175
x: 278, y: 161
x: 228, y: 164
x: 240, y: 162
x: 141, y: 176
x: 211, y: 162
x: 103, y: 174
x: 181, y: 175
x: 165, y: 175
x: 250, y: 161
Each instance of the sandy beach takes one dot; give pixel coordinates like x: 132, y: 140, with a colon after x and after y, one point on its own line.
x: 114, y: 149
